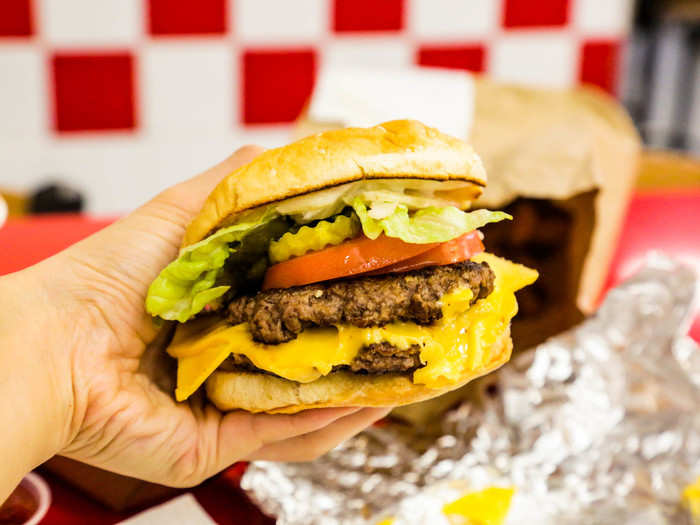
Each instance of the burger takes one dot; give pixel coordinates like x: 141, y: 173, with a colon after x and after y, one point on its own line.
x: 341, y: 270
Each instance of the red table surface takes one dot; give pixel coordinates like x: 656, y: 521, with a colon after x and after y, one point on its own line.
x: 667, y: 222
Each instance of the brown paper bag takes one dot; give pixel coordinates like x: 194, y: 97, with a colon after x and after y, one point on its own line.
x: 555, y: 146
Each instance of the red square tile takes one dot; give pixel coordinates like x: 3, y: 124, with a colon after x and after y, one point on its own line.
x: 368, y: 15
x: 543, y: 13
x: 276, y: 84
x: 93, y: 91
x: 15, y: 18
x: 599, y: 64
x: 471, y: 57
x: 185, y: 17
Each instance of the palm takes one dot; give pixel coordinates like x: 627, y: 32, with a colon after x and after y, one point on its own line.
x: 128, y: 379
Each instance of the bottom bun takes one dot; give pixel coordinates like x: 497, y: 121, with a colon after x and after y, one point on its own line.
x: 267, y: 393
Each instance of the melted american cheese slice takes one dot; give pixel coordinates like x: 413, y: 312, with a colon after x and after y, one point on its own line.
x: 458, y: 342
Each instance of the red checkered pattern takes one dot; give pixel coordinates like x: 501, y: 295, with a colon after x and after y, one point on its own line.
x: 173, y: 84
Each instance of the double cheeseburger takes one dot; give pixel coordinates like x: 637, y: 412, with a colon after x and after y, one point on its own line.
x: 340, y: 270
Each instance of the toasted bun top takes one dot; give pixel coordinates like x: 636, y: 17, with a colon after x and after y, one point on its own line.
x: 403, y: 149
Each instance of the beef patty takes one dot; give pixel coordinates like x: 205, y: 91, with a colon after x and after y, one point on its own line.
x: 279, y: 315
x: 379, y: 358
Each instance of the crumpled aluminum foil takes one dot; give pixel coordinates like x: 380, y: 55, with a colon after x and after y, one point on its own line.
x: 598, y: 425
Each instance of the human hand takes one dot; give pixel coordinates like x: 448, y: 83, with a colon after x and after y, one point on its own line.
x: 90, y: 371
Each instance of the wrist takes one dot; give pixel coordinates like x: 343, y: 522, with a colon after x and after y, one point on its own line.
x: 35, y: 379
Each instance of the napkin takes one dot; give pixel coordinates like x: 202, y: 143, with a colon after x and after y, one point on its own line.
x: 363, y: 96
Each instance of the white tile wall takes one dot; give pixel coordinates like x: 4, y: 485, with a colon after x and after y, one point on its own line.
x: 23, y: 93
x: 91, y: 22
x: 188, y: 88
x: 536, y: 58
x: 271, y: 21
x: 602, y: 17
x: 188, y: 100
x: 22, y: 162
x: 454, y: 19
x: 113, y: 173
x: 369, y: 51
x: 119, y: 174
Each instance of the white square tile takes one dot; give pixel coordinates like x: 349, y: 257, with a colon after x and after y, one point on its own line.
x: 21, y: 163
x: 180, y: 158
x: 23, y: 92
x: 112, y: 173
x: 602, y: 17
x: 535, y: 58
x: 91, y: 22
x: 265, y: 136
x: 449, y: 19
x: 188, y: 88
x: 266, y: 21
x: 366, y: 51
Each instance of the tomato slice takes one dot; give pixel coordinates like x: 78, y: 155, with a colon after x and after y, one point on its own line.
x: 359, y: 255
x: 450, y: 252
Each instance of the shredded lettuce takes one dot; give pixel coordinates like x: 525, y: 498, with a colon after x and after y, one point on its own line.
x: 189, y: 283
x: 413, y: 193
x: 425, y: 226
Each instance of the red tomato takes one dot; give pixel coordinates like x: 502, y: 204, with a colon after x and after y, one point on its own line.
x: 450, y: 252
x: 352, y: 257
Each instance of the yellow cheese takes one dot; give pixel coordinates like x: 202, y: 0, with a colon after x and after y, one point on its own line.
x: 691, y: 499
x: 457, y: 342
x: 486, y: 507
x: 192, y: 371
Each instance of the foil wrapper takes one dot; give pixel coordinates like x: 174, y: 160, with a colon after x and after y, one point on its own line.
x: 600, y: 424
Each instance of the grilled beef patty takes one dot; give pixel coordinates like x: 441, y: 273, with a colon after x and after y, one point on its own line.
x: 380, y: 358
x: 279, y: 315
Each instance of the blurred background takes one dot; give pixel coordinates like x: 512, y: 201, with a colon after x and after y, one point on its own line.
x: 585, y: 112
x: 120, y: 98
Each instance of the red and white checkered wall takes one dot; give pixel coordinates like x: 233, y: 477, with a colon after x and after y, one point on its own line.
x: 122, y: 97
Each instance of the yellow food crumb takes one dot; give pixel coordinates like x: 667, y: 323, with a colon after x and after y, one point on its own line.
x: 486, y: 507
x: 691, y: 498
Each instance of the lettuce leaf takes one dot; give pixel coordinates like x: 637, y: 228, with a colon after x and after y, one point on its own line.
x: 425, y: 226
x: 197, y: 278
x: 189, y: 283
